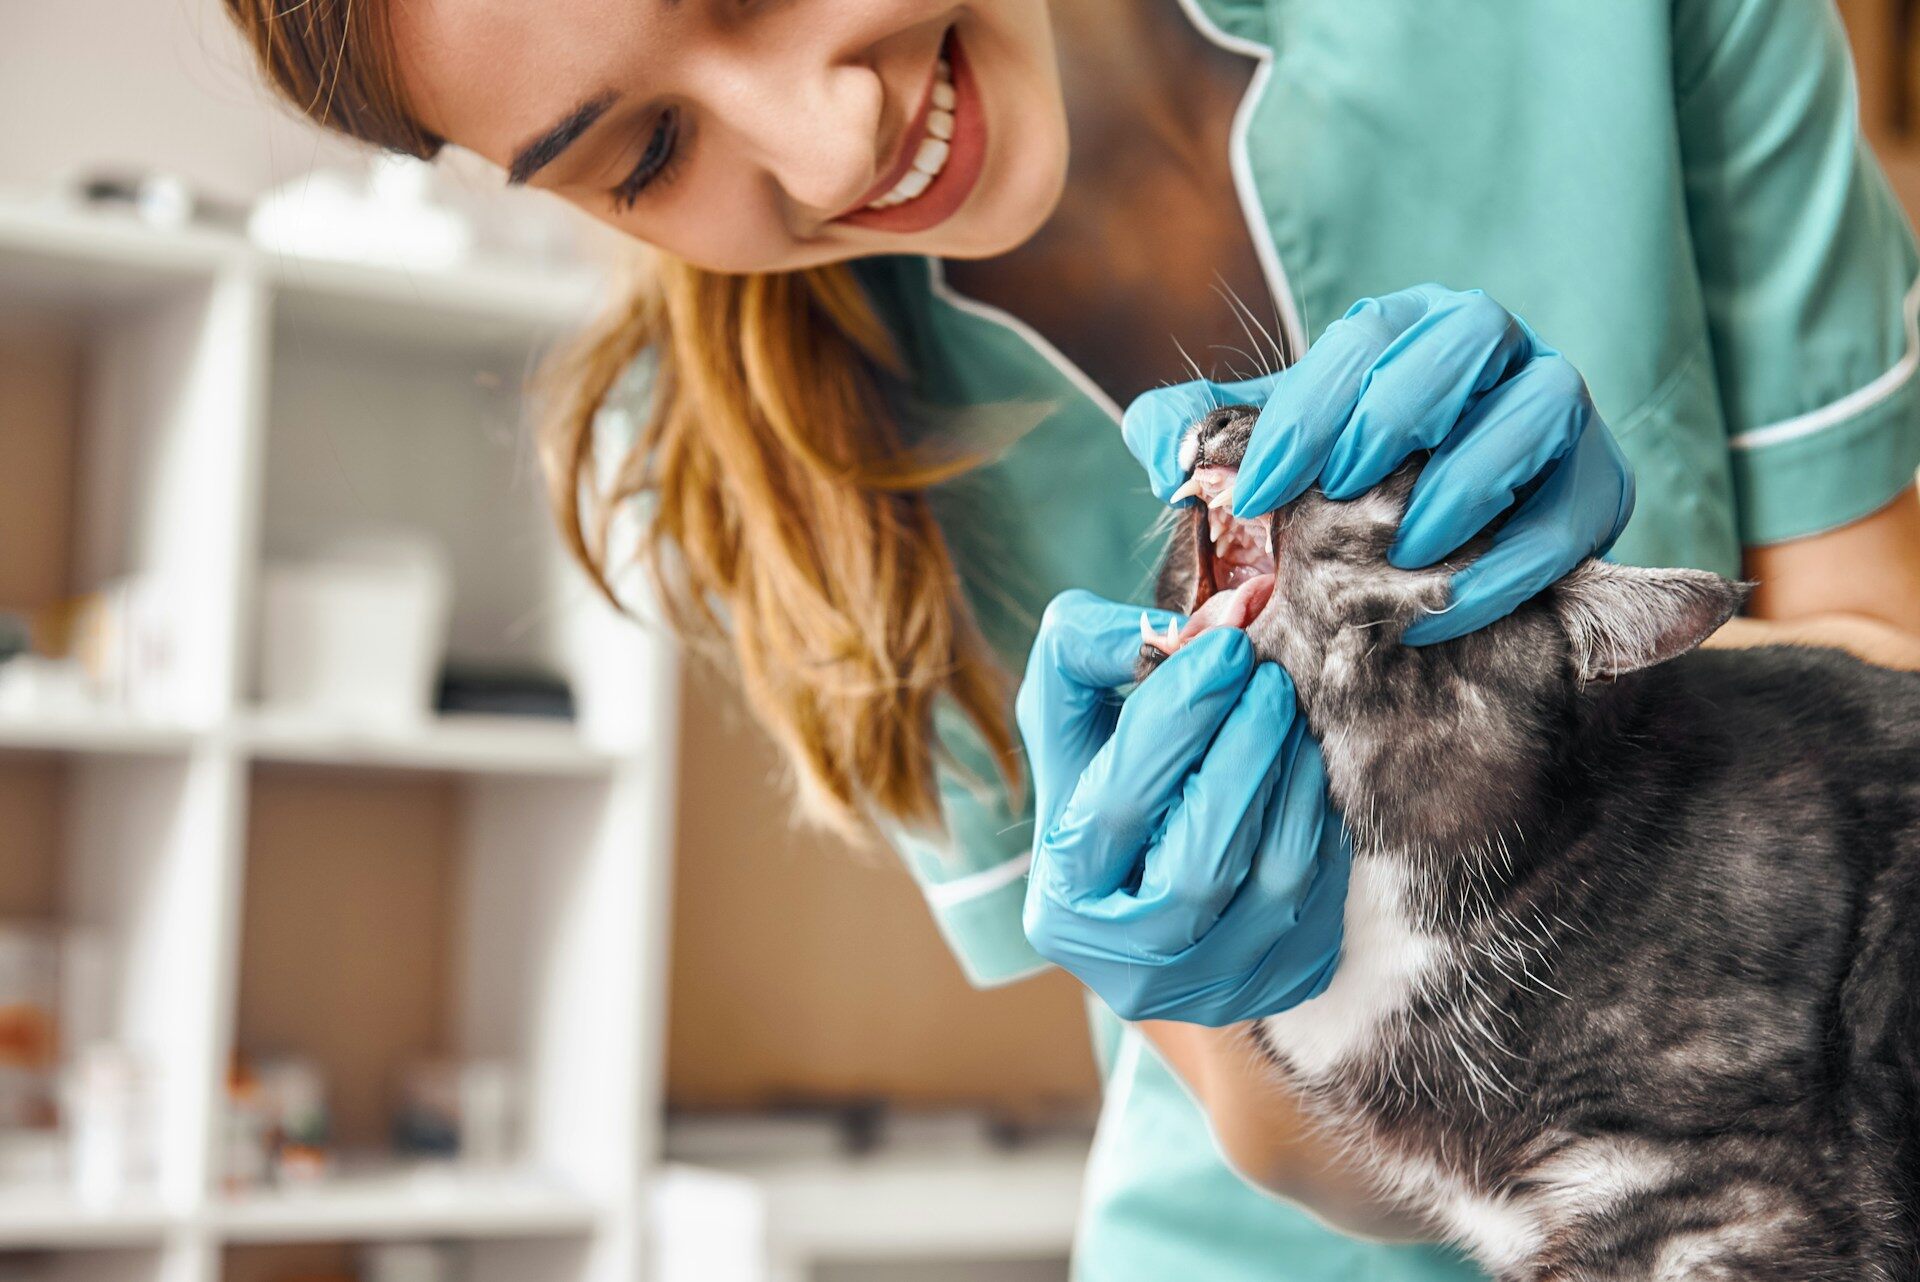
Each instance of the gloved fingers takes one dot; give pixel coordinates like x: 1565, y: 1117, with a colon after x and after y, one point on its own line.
x: 1510, y: 436
x: 1205, y: 849
x: 1086, y: 647
x: 1299, y: 866
x: 1095, y: 844
x: 1155, y: 422
x: 1421, y: 387
x: 1578, y: 511
x: 1312, y: 400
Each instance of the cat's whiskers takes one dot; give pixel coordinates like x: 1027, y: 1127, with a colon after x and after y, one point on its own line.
x: 1244, y: 315
x: 1206, y: 384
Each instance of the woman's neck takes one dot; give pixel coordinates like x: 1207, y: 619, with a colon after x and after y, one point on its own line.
x: 1148, y: 236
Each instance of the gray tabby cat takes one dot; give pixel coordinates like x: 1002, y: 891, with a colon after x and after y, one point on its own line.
x: 1631, y: 978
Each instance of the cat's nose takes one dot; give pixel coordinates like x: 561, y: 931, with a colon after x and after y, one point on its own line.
x: 1226, y: 416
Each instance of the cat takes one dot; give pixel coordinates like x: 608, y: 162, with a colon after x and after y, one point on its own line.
x: 1630, y: 983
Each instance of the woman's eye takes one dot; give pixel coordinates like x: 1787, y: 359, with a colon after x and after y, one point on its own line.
x: 662, y: 149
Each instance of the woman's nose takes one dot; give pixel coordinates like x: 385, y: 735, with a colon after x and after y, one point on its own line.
x: 810, y: 119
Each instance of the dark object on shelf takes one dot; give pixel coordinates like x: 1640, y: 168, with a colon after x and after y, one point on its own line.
x: 421, y: 1132
x: 16, y: 636
x: 159, y: 199
x: 512, y: 692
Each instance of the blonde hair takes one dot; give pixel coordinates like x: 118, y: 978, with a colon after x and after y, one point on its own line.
x: 782, y: 510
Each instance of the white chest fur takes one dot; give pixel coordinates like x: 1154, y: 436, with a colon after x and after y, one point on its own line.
x: 1384, y: 961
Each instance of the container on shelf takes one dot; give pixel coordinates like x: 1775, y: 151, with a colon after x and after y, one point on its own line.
x: 108, y: 1125
x: 354, y: 633
x: 29, y: 1025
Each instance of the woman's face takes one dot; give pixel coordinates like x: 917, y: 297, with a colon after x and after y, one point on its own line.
x: 758, y: 135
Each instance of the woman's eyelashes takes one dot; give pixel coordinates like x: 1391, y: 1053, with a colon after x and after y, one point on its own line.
x: 656, y: 163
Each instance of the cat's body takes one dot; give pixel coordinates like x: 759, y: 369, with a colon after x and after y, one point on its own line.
x: 1630, y: 986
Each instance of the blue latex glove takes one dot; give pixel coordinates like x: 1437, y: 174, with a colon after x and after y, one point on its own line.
x: 1186, y: 862
x: 1426, y: 368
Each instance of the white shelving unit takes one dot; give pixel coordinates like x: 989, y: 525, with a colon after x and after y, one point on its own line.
x: 233, y: 406
x: 781, y: 1220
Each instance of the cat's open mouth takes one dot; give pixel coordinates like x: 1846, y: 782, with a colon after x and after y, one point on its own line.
x: 1235, y: 582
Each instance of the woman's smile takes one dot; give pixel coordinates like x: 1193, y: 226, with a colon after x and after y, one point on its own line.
x: 937, y: 161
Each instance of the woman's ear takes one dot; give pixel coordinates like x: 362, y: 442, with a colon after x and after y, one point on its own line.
x: 1620, y: 619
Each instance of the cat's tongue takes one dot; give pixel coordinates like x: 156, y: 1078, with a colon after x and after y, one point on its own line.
x: 1232, y: 609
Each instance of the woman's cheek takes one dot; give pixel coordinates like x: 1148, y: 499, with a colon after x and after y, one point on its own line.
x: 722, y: 226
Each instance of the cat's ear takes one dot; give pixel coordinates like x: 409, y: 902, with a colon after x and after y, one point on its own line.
x: 1620, y: 619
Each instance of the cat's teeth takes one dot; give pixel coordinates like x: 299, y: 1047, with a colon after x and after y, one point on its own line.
x: 1147, y: 633
x: 1187, y: 491
x: 1223, y: 499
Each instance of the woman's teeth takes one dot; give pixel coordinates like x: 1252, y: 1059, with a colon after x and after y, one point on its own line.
x: 931, y: 157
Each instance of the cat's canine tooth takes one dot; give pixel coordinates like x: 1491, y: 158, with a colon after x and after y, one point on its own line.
x: 1224, y: 498
x: 1147, y: 633
x: 1190, y: 490
x: 1173, y: 637
x: 1213, y: 523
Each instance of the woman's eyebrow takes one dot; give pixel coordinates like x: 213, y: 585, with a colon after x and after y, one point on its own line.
x: 542, y: 151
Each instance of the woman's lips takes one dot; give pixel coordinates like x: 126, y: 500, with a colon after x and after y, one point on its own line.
x: 955, y: 181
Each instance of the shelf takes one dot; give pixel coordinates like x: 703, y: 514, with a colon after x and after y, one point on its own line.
x: 468, y: 744
x: 480, y: 304
x: 57, y: 252
x: 236, y: 876
x: 405, y: 1204
x: 96, y: 733
x: 910, y: 1205
x: 41, y: 1218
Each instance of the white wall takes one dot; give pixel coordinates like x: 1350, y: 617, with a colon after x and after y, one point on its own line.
x: 163, y: 84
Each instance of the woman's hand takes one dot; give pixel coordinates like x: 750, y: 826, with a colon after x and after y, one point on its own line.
x: 1426, y: 368
x: 1186, y: 862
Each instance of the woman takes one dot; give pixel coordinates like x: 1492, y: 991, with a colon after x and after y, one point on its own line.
x: 892, y: 326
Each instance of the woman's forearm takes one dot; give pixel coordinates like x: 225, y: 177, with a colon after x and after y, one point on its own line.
x: 1265, y: 1137
x: 1856, y: 588
x: 1872, y: 639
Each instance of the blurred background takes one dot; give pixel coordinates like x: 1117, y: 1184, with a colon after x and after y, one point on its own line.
x: 374, y: 902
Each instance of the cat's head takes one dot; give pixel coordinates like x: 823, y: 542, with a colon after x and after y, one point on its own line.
x: 1312, y: 587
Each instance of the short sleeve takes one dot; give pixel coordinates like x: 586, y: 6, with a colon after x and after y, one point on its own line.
x: 974, y: 875
x: 1807, y: 264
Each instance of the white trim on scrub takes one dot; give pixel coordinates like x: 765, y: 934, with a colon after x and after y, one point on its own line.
x: 1853, y: 404
x: 1242, y: 167
x: 945, y: 894
x: 937, y: 279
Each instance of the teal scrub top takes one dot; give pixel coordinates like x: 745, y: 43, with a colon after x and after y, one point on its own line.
x: 1672, y: 192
